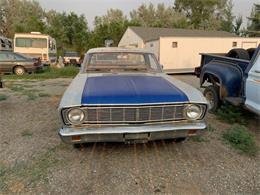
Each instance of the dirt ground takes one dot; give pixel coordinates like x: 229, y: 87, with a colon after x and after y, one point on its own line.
x: 33, y: 159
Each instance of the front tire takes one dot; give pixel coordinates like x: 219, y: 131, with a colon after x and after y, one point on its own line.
x: 211, y: 94
x: 19, y: 70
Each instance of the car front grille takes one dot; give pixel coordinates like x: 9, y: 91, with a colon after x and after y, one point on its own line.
x: 132, y: 114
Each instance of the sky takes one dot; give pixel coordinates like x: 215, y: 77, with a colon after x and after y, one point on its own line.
x: 92, y: 8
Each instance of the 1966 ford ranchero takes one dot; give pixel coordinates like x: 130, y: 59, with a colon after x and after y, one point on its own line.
x: 122, y: 95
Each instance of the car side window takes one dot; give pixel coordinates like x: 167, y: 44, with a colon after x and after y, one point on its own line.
x: 18, y: 57
x: 4, y: 57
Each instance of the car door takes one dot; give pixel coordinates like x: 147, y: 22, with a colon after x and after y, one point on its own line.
x: 5, y: 62
x: 253, y: 86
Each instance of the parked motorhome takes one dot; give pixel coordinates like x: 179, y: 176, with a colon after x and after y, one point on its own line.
x: 178, y: 49
x: 36, y: 45
x: 5, y: 44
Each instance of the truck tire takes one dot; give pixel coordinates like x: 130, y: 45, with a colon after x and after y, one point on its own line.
x: 239, y: 54
x: 211, y: 94
x: 251, y: 52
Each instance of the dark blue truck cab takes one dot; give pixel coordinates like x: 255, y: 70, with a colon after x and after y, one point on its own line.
x: 230, y: 79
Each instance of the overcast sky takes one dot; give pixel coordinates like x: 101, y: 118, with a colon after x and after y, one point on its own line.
x: 92, y: 8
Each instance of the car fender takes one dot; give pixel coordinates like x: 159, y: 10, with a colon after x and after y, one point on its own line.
x: 227, y: 76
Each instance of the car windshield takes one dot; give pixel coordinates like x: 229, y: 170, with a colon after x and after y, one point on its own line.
x: 121, y: 61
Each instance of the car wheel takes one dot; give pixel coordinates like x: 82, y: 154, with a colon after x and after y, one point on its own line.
x: 211, y: 94
x: 19, y: 70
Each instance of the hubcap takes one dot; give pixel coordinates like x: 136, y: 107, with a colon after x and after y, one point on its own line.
x: 19, y: 71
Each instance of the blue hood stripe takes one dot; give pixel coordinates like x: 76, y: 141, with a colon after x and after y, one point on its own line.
x: 130, y: 90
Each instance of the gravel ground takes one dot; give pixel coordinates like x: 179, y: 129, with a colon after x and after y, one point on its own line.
x: 34, y: 160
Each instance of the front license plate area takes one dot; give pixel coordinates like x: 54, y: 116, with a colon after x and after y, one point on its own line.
x: 132, y: 138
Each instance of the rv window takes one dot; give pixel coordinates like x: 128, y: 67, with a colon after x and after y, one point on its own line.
x: 28, y: 42
x: 39, y: 43
x: 174, y: 44
x: 23, y: 42
x: 234, y: 44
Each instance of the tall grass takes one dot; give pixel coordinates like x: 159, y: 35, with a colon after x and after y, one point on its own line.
x: 48, y: 73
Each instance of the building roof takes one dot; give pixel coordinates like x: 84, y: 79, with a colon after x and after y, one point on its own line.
x: 151, y: 33
x: 117, y: 49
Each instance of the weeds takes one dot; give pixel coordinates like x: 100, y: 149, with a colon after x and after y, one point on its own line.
x: 210, y: 128
x: 240, y: 138
x: 44, y: 95
x: 199, y: 139
x: 3, y: 97
x: 28, y: 173
x: 31, y: 96
x: 231, y: 114
x: 49, y: 73
x: 17, y: 88
x: 26, y: 134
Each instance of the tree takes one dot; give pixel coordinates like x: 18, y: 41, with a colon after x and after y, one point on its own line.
x: 253, y: 28
x: 160, y: 16
x: 227, y: 17
x: 110, y: 26
x: 20, y: 16
x: 201, y: 14
x: 69, y: 30
x: 237, y: 25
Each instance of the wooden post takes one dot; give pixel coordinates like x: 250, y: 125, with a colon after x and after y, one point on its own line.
x: 1, y: 81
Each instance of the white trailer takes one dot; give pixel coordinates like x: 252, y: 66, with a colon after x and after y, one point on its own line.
x: 178, y: 49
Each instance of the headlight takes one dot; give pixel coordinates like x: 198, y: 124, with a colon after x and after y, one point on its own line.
x: 76, y: 116
x: 193, y: 112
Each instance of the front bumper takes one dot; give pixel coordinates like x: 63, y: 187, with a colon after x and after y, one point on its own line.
x: 131, y: 133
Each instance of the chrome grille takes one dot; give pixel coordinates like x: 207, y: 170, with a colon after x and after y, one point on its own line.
x: 129, y: 114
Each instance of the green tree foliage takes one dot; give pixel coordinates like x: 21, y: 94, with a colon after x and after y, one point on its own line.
x: 201, y: 13
x: 227, y: 17
x: 160, y: 16
x: 237, y: 25
x: 110, y: 26
x: 69, y: 30
x: 20, y: 16
x: 254, y: 21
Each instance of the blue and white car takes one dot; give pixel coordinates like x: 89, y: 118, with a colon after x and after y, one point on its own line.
x: 122, y: 95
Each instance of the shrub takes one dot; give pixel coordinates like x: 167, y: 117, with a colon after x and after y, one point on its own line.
x: 3, y: 97
x: 231, y: 114
x: 240, y: 138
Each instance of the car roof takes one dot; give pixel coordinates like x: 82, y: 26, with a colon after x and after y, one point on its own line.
x: 117, y: 49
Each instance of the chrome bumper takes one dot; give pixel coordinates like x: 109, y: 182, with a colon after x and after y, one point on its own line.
x: 131, y: 132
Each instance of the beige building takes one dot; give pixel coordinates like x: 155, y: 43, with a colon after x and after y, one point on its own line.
x: 178, y: 49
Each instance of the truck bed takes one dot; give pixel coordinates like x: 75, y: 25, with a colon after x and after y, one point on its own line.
x: 206, y: 58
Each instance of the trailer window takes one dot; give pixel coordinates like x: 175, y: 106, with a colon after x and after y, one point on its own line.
x: 174, y: 44
x: 234, y: 44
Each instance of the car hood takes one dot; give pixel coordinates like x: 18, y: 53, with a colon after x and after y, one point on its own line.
x: 130, y: 89
x: 109, y: 89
